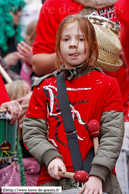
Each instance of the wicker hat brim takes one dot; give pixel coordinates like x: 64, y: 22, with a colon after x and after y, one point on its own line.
x: 109, y: 66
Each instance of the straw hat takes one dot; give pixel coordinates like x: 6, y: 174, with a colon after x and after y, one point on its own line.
x: 109, y: 49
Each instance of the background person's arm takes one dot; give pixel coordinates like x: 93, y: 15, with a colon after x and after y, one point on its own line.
x: 44, y: 45
x: 44, y: 63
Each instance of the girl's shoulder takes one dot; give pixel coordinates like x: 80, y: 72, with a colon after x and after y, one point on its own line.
x: 102, y: 80
x: 46, y: 78
x: 99, y: 72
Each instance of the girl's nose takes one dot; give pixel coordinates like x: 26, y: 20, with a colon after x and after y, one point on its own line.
x: 73, y: 43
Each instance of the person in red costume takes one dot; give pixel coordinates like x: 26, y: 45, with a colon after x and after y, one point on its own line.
x: 114, y: 15
x: 14, y: 107
x: 122, y: 11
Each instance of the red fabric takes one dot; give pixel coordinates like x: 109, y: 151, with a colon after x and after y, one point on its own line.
x: 89, y: 97
x: 122, y: 12
x: 3, y: 93
x: 114, y: 171
x: 52, y: 13
x: 123, y: 81
x: 109, y: 13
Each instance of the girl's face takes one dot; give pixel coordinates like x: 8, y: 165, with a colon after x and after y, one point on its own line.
x: 72, y: 46
x: 26, y: 89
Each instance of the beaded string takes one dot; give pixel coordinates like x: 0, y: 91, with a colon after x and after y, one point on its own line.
x: 7, y: 153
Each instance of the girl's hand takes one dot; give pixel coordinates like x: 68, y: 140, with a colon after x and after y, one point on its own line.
x: 11, y: 58
x: 24, y: 101
x: 25, y: 53
x: 15, y: 110
x: 93, y: 186
x: 54, y: 166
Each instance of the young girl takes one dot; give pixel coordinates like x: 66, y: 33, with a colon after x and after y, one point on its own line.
x: 17, y: 89
x: 92, y: 95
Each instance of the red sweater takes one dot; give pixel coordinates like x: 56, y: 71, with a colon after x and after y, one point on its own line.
x: 89, y: 97
x: 3, y: 93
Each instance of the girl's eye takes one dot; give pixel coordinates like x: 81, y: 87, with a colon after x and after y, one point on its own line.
x: 81, y: 39
x: 65, y: 39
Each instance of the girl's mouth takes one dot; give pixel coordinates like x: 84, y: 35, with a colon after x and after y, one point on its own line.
x: 74, y: 54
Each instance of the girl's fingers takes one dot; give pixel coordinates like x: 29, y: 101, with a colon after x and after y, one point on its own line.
x: 96, y: 192
x: 20, y: 55
x: 15, y: 112
x: 54, y: 166
x: 63, y: 168
x: 91, y: 192
x: 22, y: 49
x: 25, y: 45
x: 100, y: 192
x: 55, y: 173
x: 81, y: 190
x: 13, y: 119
